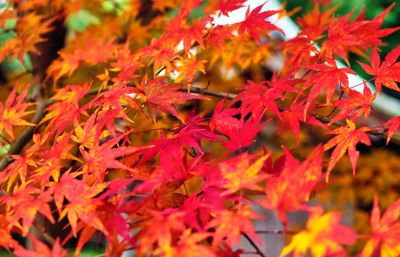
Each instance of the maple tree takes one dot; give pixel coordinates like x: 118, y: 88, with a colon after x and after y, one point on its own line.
x: 149, y: 128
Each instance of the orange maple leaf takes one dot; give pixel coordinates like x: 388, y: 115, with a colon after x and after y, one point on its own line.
x: 346, y: 140
x: 13, y: 111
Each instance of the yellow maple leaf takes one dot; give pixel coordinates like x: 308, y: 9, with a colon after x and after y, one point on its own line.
x: 323, y: 236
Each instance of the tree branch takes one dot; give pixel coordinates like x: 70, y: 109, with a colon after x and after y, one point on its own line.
x: 255, y: 246
x: 323, y: 119
x: 207, y: 92
x: 276, y: 232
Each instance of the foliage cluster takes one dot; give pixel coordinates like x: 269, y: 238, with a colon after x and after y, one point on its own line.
x: 155, y: 129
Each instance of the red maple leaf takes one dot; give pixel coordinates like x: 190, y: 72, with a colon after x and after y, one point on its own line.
x: 160, y: 96
x: 356, y: 36
x: 392, y: 126
x: 255, y: 98
x: 294, y: 116
x: 387, y: 72
x: 356, y: 105
x: 256, y: 24
x: 327, y: 78
x: 223, y: 119
x: 227, y: 6
x: 244, y: 136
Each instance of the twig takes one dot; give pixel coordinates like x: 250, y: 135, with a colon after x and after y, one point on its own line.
x: 255, y: 246
x: 207, y: 92
x: 276, y: 232
x: 49, y: 239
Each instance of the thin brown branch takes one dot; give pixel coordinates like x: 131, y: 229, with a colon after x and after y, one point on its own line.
x: 255, y: 246
x: 42, y: 232
x: 276, y: 232
x: 207, y: 92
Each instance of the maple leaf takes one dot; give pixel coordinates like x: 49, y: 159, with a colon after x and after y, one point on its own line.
x: 392, y: 126
x: 74, y: 190
x: 66, y: 110
x: 387, y: 72
x: 192, y: 34
x: 13, y: 111
x: 323, y: 236
x: 172, y: 152
x: 89, y: 135
x: 314, y: 23
x: 327, y: 78
x: 290, y: 186
x: 227, y: 6
x: 102, y: 157
x: 160, y: 96
x: 242, y: 217
x: 300, y: 51
x: 160, y: 56
x: 191, y: 245
x: 384, y: 240
x: 356, y: 105
x: 218, y: 35
x: 81, y: 204
x: 223, y: 119
x: 356, y: 36
x: 158, y: 232
x: 346, y: 140
x: 256, y: 98
x: 294, y: 115
x: 17, y: 169
x: 85, y: 211
x: 50, y: 165
x: 111, y: 104
x: 179, y: 31
x: 187, y: 69
x: 25, y: 203
x: 29, y: 30
x: 244, y: 136
x: 256, y: 24
x: 240, y: 173
x: 94, y: 51
x: 66, y: 65
x: 42, y: 250
x: 6, y: 239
